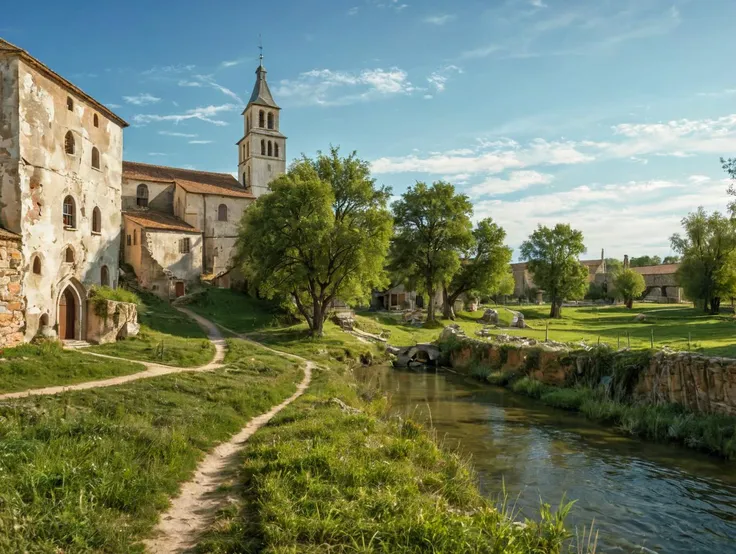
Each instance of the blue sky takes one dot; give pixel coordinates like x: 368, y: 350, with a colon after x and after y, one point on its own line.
x: 608, y: 114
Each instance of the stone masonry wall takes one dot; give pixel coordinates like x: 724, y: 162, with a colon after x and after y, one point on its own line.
x: 12, y: 301
x: 699, y: 383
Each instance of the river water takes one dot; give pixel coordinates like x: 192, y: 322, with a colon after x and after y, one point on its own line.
x: 643, y: 497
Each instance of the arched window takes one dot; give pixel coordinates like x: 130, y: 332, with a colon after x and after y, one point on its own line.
x: 270, y: 148
x: 135, y: 237
x: 270, y: 120
x: 95, y: 158
x: 69, y: 143
x: 104, y: 276
x: 96, y: 220
x: 69, y: 212
x: 261, y: 119
x: 69, y: 103
x: 263, y: 147
x: 37, y: 264
x: 44, y: 321
x: 276, y: 149
x: 222, y: 212
x: 141, y: 196
x: 69, y: 255
x: 245, y: 182
x: 96, y: 120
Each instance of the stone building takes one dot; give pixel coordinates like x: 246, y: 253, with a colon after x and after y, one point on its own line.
x: 524, y: 282
x: 60, y: 199
x: 181, y: 225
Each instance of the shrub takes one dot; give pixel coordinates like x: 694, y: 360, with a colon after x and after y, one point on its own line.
x: 116, y: 295
x: 530, y: 387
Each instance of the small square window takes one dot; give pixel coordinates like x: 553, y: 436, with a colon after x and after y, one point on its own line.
x: 184, y: 246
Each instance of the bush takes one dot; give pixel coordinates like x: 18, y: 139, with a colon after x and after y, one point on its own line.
x: 115, y: 295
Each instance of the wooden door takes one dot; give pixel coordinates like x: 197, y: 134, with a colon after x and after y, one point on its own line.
x: 67, y: 315
x: 62, y: 316
x: 179, y: 289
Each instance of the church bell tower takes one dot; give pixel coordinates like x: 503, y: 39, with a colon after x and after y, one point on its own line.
x: 262, y: 151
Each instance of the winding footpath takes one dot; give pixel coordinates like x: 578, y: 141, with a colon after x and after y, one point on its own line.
x: 196, y: 506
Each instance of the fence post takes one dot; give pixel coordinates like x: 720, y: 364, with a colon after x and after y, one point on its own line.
x: 689, y: 346
x: 651, y: 340
x: 546, y: 332
x: 628, y: 339
x: 618, y: 341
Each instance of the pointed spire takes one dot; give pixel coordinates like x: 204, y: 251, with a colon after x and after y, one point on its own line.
x: 261, y: 93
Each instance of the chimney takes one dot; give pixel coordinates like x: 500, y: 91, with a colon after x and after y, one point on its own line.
x: 603, y: 254
x: 626, y: 261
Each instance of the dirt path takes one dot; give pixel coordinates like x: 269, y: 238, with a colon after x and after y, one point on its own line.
x: 194, y: 510
x: 152, y: 369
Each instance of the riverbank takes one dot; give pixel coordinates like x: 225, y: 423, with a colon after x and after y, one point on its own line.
x: 577, y: 388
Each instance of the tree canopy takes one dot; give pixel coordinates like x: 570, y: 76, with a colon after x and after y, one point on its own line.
x: 321, y: 234
x: 432, y: 228
x: 553, y: 261
x: 642, y: 261
x: 484, y: 268
x: 708, y: 249
x: 628, y: 285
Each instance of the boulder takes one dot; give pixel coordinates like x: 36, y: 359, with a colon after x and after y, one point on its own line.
x: 129, y: 329
x: 490, y: 316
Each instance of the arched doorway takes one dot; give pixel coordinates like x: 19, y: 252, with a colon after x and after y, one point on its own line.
x: 68, y: 315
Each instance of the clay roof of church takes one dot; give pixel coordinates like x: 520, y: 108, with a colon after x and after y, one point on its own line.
x: 7, y: 47
x: 261, y: 94
x: 662, y: 269
x: 159, y: 221
x: 191, y: 180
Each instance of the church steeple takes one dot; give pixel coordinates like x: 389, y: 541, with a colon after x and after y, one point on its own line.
x: 262, y: 151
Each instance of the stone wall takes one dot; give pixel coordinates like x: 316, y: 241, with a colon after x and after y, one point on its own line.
x: 12, y: 302
x: 108, y: 321
x: 699, y: 383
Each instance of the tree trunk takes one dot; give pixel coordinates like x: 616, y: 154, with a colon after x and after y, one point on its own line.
x: 448, y: 304
x: 555, y: 311
x: 318, y: 319
x: 629, y: 303
x: 430, y: 305
x: 715, y: 305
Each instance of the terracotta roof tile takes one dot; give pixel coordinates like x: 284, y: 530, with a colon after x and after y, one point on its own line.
x: 159, y: 221
x: 664, y: 269
x: 5, y: 234
x: 202, y: 182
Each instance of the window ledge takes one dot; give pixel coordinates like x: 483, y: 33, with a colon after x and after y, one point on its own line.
x: 97, y: 233
x: 66, y: 228
x: 96, y: 168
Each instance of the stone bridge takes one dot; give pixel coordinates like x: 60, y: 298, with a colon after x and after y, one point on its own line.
x: 661, y: 282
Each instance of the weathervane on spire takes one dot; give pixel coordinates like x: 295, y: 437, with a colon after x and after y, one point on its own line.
x: 260, y: 47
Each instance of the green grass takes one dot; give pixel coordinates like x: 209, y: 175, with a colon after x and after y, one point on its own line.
x: 117, y: 295
x: 319, y: 479
x: 167, y: 336
x: 711, y: 433
x: 31, y: 366
x: 260, y: 320
x: 90, y: 471
x: 399, y: 333
x: 671, y: 324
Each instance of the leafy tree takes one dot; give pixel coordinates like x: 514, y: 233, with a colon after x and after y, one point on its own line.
x: 553, y: 261
x: 613, y: 265
x: 671, y: 260
x: 484, y: 268
x: 643, y: 261
x: 707, y: 271
x: 432, y: 228
x: 322, y: 234
x: 729, y: 166
x: 629, y: 285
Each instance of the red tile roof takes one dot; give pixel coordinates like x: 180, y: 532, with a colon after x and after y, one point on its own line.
x: 663, y: 269
x: 6, y: 47
x: 159, y: 221
x: 201, y: 182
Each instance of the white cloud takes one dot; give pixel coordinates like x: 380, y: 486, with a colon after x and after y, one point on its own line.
x: 185, y: 83
x: 169, y: 69
x: 439, y: 19
x: 203, y: 114
x: 333, y: 88
x: 157, y: 154
x: 143, y: 99
x: 517, y: 180
x: 230, y: 63
x: 209, y: 81
x: 113, y: 106
x: 538, y: 4
x: 721, y: 93
x: 200, y: 142
x: 353, y: 11
x: 438, y: 79
x: 174, y: 134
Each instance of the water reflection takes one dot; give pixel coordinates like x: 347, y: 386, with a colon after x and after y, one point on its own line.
x: 665, y: 498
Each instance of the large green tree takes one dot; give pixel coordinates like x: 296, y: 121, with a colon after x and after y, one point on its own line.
x: 321, y: 234
x: 642, y: 261
x: 484, y: 267
x: 671, y: 260
x: 432, y: 228
x: 707, y: 245
x: 553, y: 256
x: 628, y: 285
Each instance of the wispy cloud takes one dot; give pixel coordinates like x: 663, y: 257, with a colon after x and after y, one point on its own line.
x: 537, y: 4
x: 517, y: 180
x: 209, y: 81
x: 144, y: 99
x: 230, y: 63
x: 354, y: 10
x: 440, y: 19
x: 200, y: 142
x: 206, y: 113
x: 157, y: 154
x: 169, y: 69
x: 719, y: 94
x: 174, y: 134
x: 438, y: 79
x: 326, y: 87
x: 113, y: 106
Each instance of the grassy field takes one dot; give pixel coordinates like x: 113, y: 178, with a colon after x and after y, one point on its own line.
x: 90, y: 471
x: 167, y: 336
x: 32, y: 366
x: 261, y: 321
x: 322, y: 478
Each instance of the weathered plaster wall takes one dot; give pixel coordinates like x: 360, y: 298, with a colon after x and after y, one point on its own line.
x: 9, y: 145
x: 221, y: 236
x: 12, y: 301
x: 163, y: 247
x: 108, y: 320
x: 47, y: 175
x: 132, y: 252
x: 160, y: 195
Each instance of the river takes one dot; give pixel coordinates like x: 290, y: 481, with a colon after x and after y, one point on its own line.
x: 644, y: 497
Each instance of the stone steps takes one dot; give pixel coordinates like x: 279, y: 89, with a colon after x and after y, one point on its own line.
x: 76, y: 344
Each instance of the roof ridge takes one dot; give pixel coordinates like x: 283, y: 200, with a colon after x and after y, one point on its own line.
x: 177, y: 168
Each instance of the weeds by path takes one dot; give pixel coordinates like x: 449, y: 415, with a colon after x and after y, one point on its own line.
x: 90, y: 471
